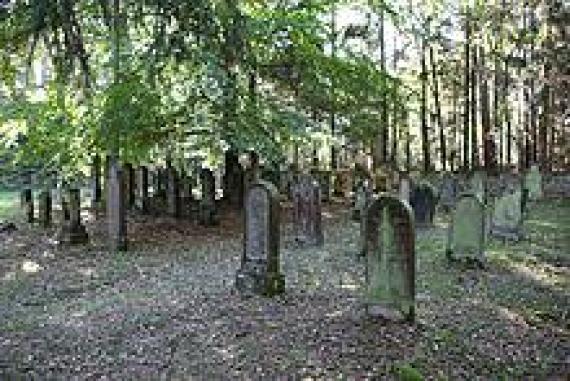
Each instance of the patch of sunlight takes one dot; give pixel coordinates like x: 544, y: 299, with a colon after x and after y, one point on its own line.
x: 334, y: 314
x: 11, y: 275
x: 540, y: 275
x: 351, y: 287
x: 86, y: 272
x: 545, y: 224
x: 327, y: 215
x: 511, y: 316
x: 441, y: 224
x: 48, y: 254
x: 31, y: 267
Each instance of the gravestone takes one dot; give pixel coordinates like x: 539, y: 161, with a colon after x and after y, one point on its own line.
x: 390, y: 259
x: 478, y: 186
x: 260, y: 267
x: 116, y: 208
x: 142, y: 189
x: 173, y: 193
x: 448, y: 192
x: 307, y: 216
x: 404, y: 188
x: 362, y: 199
x: 208, y: 201
x: 233, y: 180
x: 96, y: 182
x: 533, y: 183
x: 73, y: 231
x: 45, y: 208
x: 28, y: 203
x: 507, y: 218
x: 466, y: 234
x: 423, y: 202
x: 324, y: 180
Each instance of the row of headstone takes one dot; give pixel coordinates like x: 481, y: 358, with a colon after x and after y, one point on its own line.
x: 389, y: 247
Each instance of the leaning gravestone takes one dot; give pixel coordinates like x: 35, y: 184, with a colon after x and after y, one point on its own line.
x: 507, y: 218
x: 390, y: 259
x: 259, y: 272
x: 423, y: 202
x: 533, y: 183
x: 208, y: 201
x: 466, y: 234
x: 307, y: 216
x: 73, y: 231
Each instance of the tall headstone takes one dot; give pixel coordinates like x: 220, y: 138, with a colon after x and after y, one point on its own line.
x: 390, y: 259
x: 116, y: 208
x: 260, y: 266
x: 173, y: 193
x: 362, y: 199
x: 208, y: 201
x: 405, y: 188
x: 73, y: 232
x: 423, y: 201
x: 507, y: 217
x: 96, y: 182
x: 142, y: 189
x: 533, y: 183
x: 307, y: 213
x: 233, y: 180
x: 45, y: 207
x: 466, y: 234
x: 252, y: 173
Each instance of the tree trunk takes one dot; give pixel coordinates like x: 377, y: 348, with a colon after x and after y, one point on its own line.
x: 442, y: 145
x: 466, y: 132
x: 474, y: 139
x: 424, y: 126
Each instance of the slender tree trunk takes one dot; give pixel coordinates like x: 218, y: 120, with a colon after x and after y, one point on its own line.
x: 424, y: 126
x: 474, y: 139
x: 442, y: 146
x: 466, y: 131
x: 507, y: 115
x: 488, y: 142
x: 334, y: 159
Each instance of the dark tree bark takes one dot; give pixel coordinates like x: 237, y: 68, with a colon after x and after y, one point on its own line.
x: 424, y: 126
x: 466, y: 125
x: 442, y: 145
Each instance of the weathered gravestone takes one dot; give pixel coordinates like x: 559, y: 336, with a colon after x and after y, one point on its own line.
x: 259, y: 272
x: 507, y: 217
x: 233, y: 180
x: 116, y: 208
x: 142, y: 189
x: 404, y: 188
x: 466, y: 234
x: 173, y: 193
x: 423, y: 201
x: 73, y: 232
x: 362, y: 199
x: 307, y: 216
x: 208, y: 201
x: 390, y: 259
x: 533, y: 183
x: 478, y: 185
x: 45, y: 207
x: 448, y: 192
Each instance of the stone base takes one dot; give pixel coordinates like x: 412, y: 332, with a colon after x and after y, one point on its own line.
x: 260, y: 283
x: 507, y: 234
x: 73, y: 235
x: 389, y: 313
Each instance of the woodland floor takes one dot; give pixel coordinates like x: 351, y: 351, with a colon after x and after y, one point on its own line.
x: 168, y: 309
